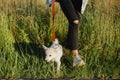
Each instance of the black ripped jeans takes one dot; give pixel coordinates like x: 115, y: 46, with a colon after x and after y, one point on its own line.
x: 71, y: 8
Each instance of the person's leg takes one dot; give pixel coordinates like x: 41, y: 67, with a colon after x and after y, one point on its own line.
x: 73, y: 18
x: 72, y: 36
x: 70, y: 13
x: 73, y: 44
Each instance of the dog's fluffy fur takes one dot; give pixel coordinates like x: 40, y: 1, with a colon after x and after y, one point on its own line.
x: 54, y: 53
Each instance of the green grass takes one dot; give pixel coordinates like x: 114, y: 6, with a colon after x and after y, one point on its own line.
x: 25, y: 26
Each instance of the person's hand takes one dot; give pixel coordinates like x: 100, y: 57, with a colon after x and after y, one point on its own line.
x: 49, y: 2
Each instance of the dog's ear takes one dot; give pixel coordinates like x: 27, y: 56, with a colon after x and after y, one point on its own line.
x: 44, y: 47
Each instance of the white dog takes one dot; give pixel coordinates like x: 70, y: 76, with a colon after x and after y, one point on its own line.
x: 54, y: 53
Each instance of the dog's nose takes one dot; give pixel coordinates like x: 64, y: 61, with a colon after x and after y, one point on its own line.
x: 46, y: 59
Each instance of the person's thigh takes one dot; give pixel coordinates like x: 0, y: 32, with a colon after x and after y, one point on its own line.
x: 68, y: 9
x: 77, y: 5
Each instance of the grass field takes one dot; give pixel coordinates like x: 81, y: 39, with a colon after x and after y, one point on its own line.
x: 25, y: 26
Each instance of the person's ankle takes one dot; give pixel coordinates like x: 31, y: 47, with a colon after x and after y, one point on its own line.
x: 74, y: 53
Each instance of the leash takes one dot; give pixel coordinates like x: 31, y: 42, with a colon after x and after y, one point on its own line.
x: 53, y: 16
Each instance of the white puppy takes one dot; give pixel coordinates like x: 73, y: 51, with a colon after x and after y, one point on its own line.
x: 54, y: 53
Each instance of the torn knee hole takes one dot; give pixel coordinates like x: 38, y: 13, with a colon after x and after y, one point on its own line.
x: 76, y: 21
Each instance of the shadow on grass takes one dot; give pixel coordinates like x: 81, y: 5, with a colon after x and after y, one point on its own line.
x: 29, y: 48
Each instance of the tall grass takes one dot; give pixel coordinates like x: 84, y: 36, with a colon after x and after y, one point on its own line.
x: 25, y: 26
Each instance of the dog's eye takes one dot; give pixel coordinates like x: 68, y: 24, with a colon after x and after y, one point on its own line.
x: 50, y: 55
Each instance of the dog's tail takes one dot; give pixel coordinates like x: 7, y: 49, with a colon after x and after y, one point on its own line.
x: 56, y: 41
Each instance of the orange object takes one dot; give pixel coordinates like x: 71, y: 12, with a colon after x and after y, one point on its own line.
x: 53, y: 15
